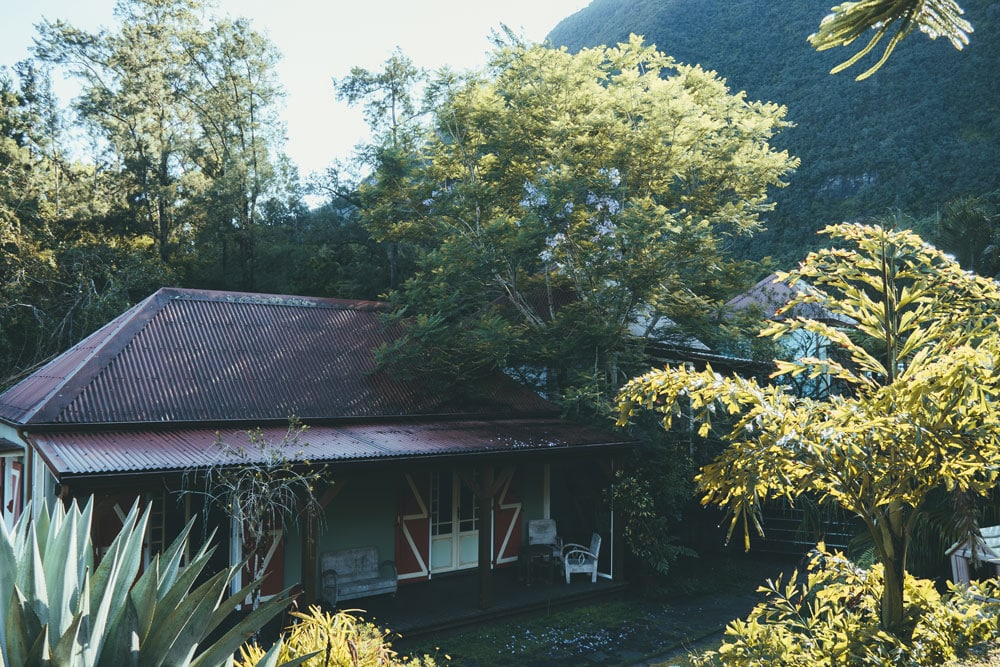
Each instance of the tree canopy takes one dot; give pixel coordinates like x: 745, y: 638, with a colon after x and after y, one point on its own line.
x: 186, y: 118
x: 919, y: 415
x: 166, y: 169
x: 562, y: 201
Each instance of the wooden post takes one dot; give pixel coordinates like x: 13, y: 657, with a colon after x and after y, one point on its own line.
x: 310, y: 539
x: 485, y: 493
x: 309, y: 589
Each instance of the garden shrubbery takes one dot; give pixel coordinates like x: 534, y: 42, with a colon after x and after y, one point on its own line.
x: 831, y: 617
x: 332, y: 640
x: 58, y: 608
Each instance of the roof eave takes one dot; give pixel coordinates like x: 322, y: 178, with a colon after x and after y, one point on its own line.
x: 115, y: 476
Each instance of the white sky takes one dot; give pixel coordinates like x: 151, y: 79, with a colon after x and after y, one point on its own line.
x: 322, y: 40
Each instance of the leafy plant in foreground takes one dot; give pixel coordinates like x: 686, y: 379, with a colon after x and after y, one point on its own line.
x: 57, y: 609
x: 920, y: 342
x: 326, y: 639
x: 831, y: 618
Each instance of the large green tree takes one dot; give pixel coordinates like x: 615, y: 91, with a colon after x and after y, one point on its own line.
x: 23, y: 257
x: 389, y: 99
x: 186, y: 115
x: 568, y: 203
x: 61, y: 273
x: 173, y: 175
x: 234, y: 93
x: 919, y: 416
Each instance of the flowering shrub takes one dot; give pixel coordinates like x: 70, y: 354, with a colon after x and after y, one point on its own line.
x: 832, y: 618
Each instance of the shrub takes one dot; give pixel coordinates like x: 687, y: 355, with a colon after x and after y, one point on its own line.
x: 58, y: 610
x: 333, y: 640
x: 832, y: 618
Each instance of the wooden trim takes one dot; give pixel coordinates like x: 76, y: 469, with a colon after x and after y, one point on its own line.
x: 486, y: 485
x: 503, y: 486
x: 406, y: 539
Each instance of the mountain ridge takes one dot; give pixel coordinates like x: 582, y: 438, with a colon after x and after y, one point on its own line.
x: 923, y: 130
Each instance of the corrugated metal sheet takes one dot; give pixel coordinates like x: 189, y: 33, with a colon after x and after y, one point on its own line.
x: 7, y: 447
x: 82, y: 454
x: 771, y: 294
x: 21, y: 402
x: 203, y: 356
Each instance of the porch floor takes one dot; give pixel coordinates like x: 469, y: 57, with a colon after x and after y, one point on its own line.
x: 450, y: 602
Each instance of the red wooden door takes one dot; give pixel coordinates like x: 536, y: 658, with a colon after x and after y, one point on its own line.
x: 507, y: 518
x: 269, y: 561
x: 413, y: 528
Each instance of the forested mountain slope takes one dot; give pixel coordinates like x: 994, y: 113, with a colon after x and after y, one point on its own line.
x: 923, y: 130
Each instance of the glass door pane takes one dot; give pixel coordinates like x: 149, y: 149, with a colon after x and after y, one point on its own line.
x: 442, y: 522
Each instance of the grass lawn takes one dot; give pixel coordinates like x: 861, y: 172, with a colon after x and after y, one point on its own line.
x: 619, y: 630
x: 656, y: 627
x: 647, y: 623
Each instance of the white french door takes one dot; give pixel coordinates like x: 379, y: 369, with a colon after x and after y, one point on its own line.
x: 454, y: 524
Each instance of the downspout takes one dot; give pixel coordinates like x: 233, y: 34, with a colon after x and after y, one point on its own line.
x: 610, y: 575
x: 547, y: 491
x: 28, y: 483
x: 614, y: 543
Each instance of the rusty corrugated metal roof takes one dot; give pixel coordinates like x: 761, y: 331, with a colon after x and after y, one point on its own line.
x: 6, y: 446
x: 771, y: 294
x: 87, y: 454
x: 205, y: 356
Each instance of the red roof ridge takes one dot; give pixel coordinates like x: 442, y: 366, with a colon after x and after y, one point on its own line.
x: 229, y: 296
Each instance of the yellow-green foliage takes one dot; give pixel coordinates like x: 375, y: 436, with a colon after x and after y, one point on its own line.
x: 832, y: 618
x: 851, y: 20
x: 917, y: 343
x: 340, y: 639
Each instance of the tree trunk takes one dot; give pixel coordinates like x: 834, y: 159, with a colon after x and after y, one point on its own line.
x: 892, y: 593
x: 893, y: 551
x: 393, y: 265
x: 485, y: 492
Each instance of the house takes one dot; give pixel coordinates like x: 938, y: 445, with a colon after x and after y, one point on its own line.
x: 440, y: 480
x: 768, y: 299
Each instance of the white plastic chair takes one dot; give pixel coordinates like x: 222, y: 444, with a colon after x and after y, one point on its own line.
x: 578, y: 558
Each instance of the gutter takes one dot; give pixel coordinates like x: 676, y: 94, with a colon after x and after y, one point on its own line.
x: 406, y: 459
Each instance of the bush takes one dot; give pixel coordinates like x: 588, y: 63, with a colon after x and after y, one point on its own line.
x: 832, y: 618
x: 57, y: 609
x: 332, y: 640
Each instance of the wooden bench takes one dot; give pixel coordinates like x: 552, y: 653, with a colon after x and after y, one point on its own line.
x: 987, y: 551
x: 356, y: 573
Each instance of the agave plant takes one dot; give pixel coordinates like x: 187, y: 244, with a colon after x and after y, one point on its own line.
x: 57, y: 609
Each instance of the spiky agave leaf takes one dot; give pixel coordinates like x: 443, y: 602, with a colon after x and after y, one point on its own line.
x: 25, y: 640
x: 113, y: 579
x: 222, y: 651
x: 8, y: 565
x: 58, y: 609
